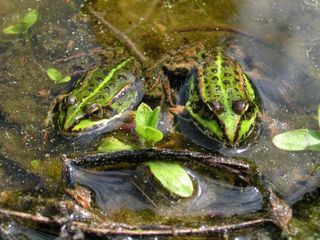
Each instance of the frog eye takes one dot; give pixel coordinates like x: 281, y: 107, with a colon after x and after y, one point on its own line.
x: 216, y: 107
x: 240, y: 106
x: 94, y: 111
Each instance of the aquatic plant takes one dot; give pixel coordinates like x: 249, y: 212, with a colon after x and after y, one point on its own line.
x: 24, y: 24
x: 146, y: 124
x: 299, y: 139
x: 56, y: 76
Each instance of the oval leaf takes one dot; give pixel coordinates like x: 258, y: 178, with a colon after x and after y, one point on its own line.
x: 154, y: 117
x: 30, y: 18
x: 65, y: 79
x: 149, y: 134
x: 112, y: 144
x: 54, y: 74
x: 172, y: 177
x: 142, y: 114
x: 152, y: 135
x: 298, y: 140
x: 15, y: 29
x: 35, y: 164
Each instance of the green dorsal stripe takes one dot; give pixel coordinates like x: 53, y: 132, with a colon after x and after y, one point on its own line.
x: 70, y: 119
x: 220, y: 78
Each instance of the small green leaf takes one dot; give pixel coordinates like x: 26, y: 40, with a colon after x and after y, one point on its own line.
x: 149, y: 134
x: 35, y: 164
x: 153, y: 118
x: 112, y: 144
x: 22, y: 26
x: 54, y: 74
x: 142, y: 115
x: 298, y: 140
x: 57, y: 76
x: 65, y: 79
x: 152, y: 135
x: 146, y: 124
x: 172, y: 177
x: 30, y: 19
x: 14, y: 29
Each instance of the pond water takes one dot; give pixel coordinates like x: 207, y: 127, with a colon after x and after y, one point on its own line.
x: 276, y: 42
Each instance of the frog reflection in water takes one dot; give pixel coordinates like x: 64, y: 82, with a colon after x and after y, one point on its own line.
x: 221, y: 100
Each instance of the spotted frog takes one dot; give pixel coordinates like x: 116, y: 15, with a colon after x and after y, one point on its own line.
x: 101, y: 101
x: 221, y: 100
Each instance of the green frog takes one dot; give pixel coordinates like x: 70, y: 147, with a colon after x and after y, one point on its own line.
x: 101, y: 101
x: 221, y: 100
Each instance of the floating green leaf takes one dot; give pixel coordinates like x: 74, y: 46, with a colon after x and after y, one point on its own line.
x: 54, y: 74
x: 298, y: 140
x: 35, y: 164
x: 14, y: 29
x: 24, y: 25
x: 57, y: 76
x: 146, y: 123
x: 30, y: 18
x: 112, y: 144
x: 149, y: 134
x: 172, y: 177
x: 65, y: 79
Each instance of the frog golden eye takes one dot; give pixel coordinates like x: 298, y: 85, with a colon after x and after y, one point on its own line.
x: 94, y: 111
x: 240, y: 106
x: 216, y: 107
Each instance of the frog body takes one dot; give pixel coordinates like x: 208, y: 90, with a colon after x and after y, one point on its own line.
x: 101, y: 101
x: 221, y: 100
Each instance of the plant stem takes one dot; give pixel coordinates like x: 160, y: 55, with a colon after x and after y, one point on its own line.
x: 122, y: 37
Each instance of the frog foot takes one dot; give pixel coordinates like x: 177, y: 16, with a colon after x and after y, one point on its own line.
x: 177, y: 109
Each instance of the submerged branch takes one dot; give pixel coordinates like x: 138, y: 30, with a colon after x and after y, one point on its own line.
x: 86, y: 53
x: 235, y: 166
x: 121, y: 36
x: 118, y: 229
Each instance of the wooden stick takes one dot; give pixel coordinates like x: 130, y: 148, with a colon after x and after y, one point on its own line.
x: 118, y: 229
x: 122, y: 37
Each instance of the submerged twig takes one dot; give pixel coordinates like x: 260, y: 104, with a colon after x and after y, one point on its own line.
x: 118, y: 229
x: 237, y: 167
x: 86, y: 53
x: 122, y: 37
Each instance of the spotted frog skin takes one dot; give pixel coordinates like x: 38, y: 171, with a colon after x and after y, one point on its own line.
x: 101, y: 101
x: 220, y: 98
